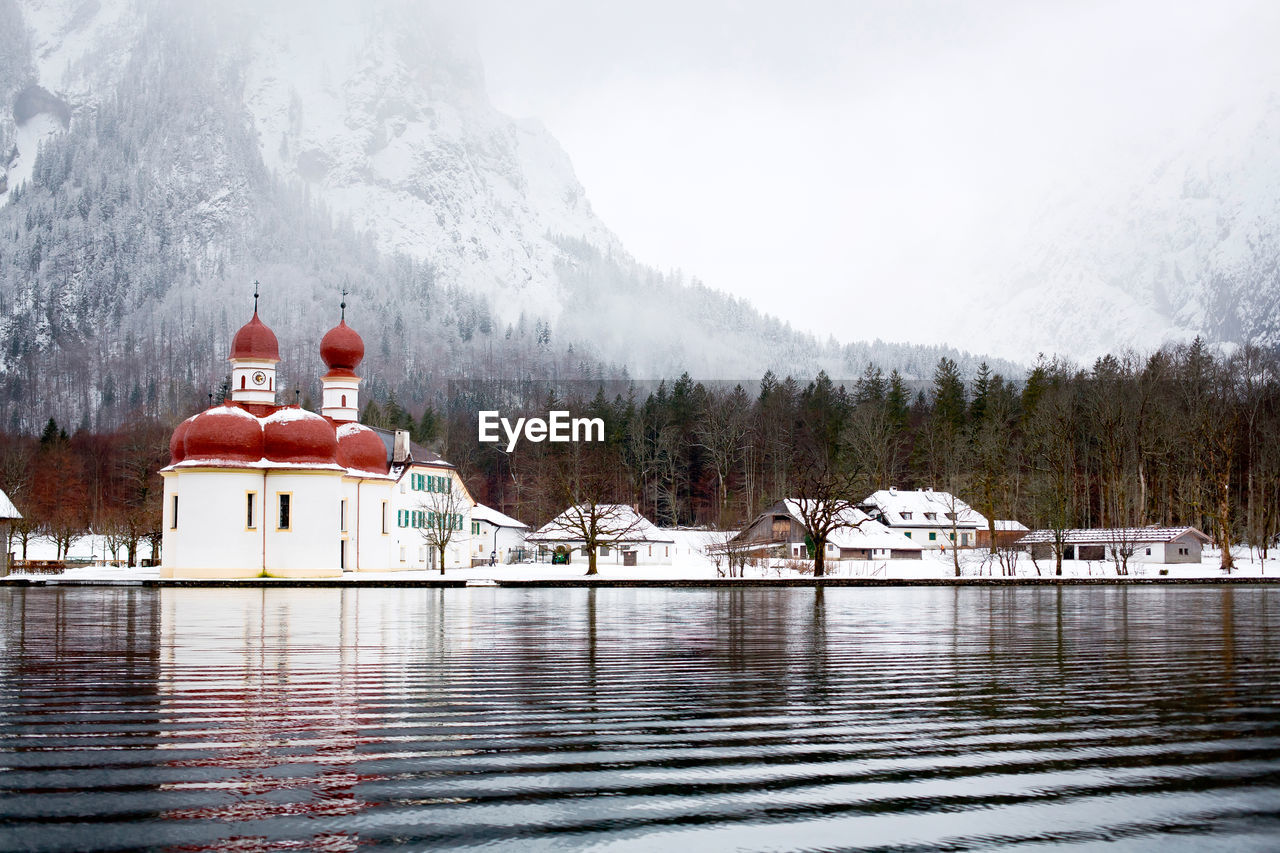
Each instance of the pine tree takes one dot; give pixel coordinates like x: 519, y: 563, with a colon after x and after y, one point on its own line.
x: 948, y: 395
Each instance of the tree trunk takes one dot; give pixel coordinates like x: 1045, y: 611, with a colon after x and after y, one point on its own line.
x: 819, y: 555
x: 591, y: 560
x: 1224, y: 522
x: 441, y: 549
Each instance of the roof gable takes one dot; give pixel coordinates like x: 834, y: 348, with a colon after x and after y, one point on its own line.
x: 910, y: 508
x: 630, y: 524
x: 7, y: 509
x: 480, y: 512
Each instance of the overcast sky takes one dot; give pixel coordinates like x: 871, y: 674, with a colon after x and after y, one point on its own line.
x: 870, y: 154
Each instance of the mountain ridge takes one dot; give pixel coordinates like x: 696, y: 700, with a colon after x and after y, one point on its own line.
x: 126, y: 257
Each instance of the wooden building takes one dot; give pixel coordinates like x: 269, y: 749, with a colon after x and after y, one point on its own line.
x: 780, y: 531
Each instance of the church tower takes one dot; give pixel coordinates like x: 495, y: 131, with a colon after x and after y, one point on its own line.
x: 254, y: 356
x: 342, y: 351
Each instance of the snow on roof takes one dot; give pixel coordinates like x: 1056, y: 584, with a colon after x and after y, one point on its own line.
x: 480, y: 512
x: 7, y: 509
x: 1110, y: 535
x: 1009, y: 525
x: 860, y: 530
x: 630, y: 525
x: 350, y: 428
x: 893, y: 503
x: 226, y: 410
x: 213, y: 462
x: 289, y: 415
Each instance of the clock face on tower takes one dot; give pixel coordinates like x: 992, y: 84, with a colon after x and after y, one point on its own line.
x: 259, y: 377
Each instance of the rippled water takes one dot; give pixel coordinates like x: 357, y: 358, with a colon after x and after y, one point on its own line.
x: 640, y: 719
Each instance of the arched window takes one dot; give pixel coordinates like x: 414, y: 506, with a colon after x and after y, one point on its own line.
x: 344, y: 401
x: 241, y: 381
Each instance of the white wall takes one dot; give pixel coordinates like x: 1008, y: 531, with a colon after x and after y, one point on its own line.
x: 504, y: 540
x: 212, y: 529
x: 374, y: 550
x: 920, y: 536
x: 311, y: 542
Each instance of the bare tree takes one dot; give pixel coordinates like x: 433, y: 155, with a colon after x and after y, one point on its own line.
x: 596, y: 525
x: 727, y: 552
x: 1123, y: 542
x: 442, y: 518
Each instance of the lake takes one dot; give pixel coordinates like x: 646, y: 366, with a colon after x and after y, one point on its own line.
x: 892, y: 719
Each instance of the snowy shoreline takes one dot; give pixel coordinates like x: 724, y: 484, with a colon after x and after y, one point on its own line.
x: 691, y: 567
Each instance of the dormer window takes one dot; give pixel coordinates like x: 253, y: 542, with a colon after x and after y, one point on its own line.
x: 906, y: 516
x: 931, y: 516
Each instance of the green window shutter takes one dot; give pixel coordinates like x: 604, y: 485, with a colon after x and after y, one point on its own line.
x: 932, y: 536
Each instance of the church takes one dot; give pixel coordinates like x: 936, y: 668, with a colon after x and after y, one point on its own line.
x: 256, y: 489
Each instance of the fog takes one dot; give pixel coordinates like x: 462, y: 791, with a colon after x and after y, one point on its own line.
x: 865, y: 163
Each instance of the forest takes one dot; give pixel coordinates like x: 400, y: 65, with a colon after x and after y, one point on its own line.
x: 1184, y: 436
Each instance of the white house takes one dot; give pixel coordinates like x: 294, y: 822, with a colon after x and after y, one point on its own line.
x: 495, y: 535
x: 1143, y: 544
x: 8, y: 514
x: 932, y: 519
x: 632, y: 540
x: 256, y: 489
x: 781, y: 530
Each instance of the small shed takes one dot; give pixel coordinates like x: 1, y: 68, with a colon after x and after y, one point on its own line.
x: 8, y: 514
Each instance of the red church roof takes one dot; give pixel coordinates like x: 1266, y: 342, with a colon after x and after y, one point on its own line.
x: 342, y: 349
x: 255, y: 341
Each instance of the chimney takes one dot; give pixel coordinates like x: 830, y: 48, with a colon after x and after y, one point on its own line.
x: 400, y: 450
x: 893, y: 490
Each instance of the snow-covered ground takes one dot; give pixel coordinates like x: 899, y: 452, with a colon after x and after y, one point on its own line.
x: 690, y: 563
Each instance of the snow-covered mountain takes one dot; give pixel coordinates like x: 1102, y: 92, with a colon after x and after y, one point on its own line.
x: 378, y: 109
x: 1191, y: 248
x: 163, y: 154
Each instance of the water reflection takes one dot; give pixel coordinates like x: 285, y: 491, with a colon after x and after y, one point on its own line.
x: 256, y: 719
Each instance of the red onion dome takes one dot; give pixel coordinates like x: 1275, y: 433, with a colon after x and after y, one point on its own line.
x: 360, y: 448
x: 300, y: 437
x: 341, y: 348
x: 176, y: 444
x: 223, y: 435
x: 255, y: 341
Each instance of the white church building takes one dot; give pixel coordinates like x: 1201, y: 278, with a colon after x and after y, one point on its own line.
x: 256, y: 489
